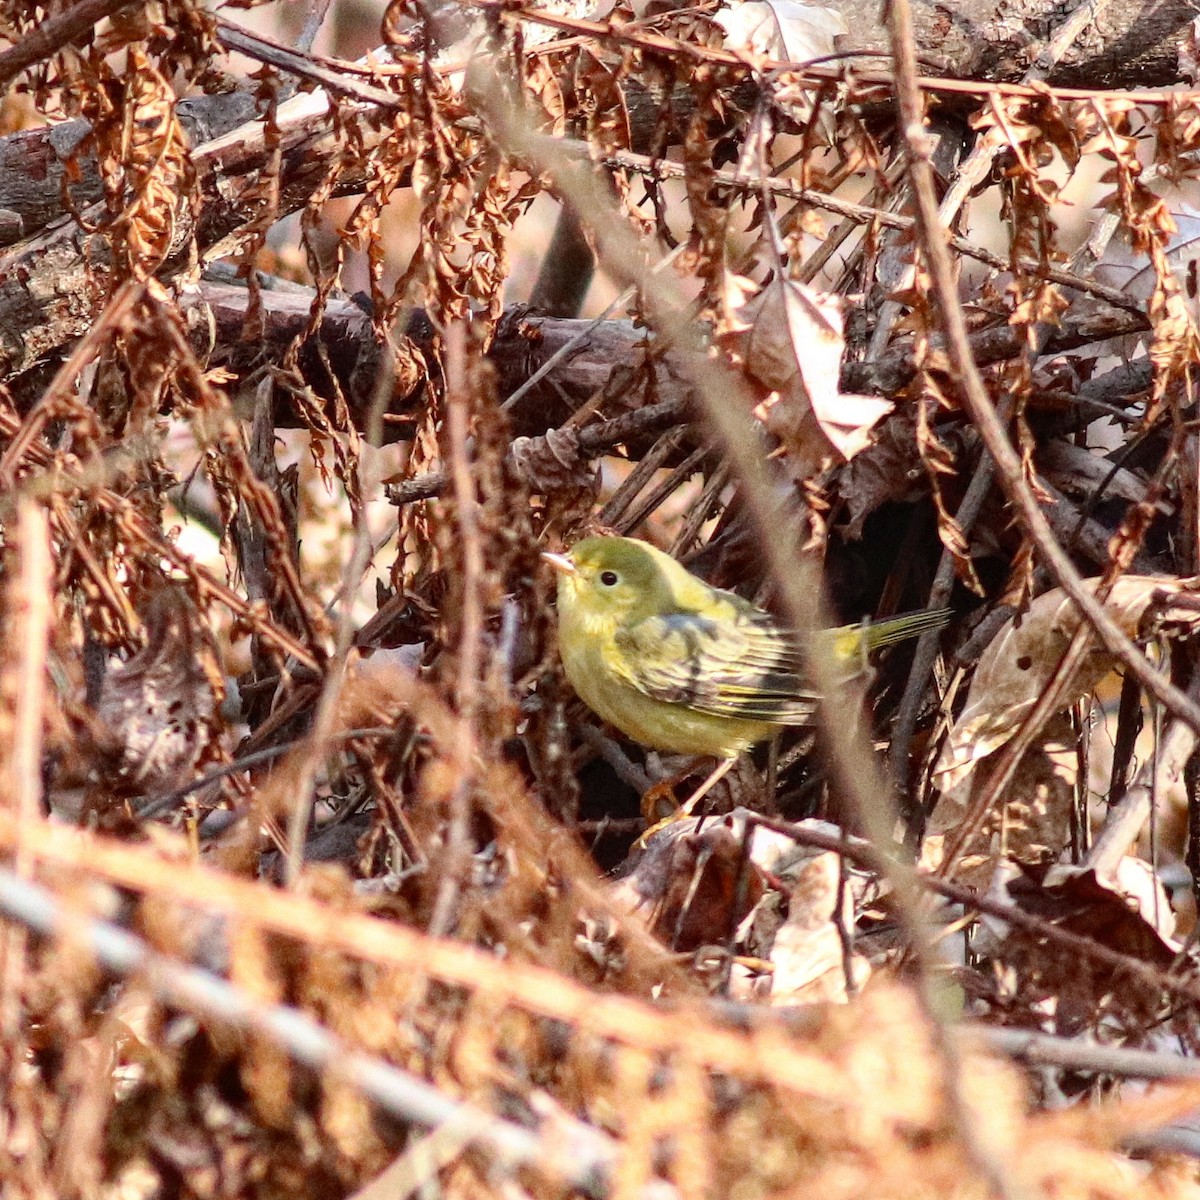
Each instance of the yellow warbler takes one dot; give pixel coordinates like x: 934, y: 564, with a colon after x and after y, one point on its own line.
x: 685, y: 667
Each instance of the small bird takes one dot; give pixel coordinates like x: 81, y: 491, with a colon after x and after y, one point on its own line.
x: 684, y: 667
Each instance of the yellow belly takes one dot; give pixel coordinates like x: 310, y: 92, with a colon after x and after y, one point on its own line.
x: 659, y: 724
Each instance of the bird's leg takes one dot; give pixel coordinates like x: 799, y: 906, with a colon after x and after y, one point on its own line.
x: 686, y: 808
x: 653, y: 808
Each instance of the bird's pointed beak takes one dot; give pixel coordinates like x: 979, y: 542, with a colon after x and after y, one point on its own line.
x: 560, y: 562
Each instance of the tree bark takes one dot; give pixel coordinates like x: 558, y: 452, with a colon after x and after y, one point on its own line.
x: 52, y: 283
x: 1129, y: 43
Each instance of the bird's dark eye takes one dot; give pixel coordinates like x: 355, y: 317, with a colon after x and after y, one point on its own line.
x: 608, y: 578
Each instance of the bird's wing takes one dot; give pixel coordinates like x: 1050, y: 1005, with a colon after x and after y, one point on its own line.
x: 739, y: 665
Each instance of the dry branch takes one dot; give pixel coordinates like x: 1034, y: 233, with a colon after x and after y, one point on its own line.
x: 56, y: 32
x: 52, y: 285
x: 37, y: 164
x: 583, y: 1162
x: 525, y: 342
x: 1127, y: 45
x: 436, y: 746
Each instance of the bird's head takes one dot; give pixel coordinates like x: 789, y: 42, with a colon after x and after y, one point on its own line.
x: 605, y: 580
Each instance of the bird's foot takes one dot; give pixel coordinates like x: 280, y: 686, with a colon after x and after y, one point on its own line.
x: 652, y: 800
x: 658, y: 802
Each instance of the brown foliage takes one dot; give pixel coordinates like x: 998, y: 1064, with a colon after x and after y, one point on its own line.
x: 283, y: 737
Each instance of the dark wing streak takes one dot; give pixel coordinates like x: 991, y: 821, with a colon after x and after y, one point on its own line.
x: 734, y: 669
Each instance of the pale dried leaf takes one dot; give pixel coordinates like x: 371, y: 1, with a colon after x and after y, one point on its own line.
x: 1016, y: 667
x: 794, y: 349
x: 781, y: 29
x: 157, y: 708
x: 808, y: 954
x: 1032, y: 825
x: 737, y: 291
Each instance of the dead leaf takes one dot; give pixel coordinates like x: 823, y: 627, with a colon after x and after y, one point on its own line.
x: 693, y: 884
x: 1016, y: 667
x: 157, y: 709
x: 1033, y: 824
x: 793, y: 346
x: 809, y: 956
x: 781, y: 29
x: 1127, y: 908
x: 552, y: 463
x: 888, y: 471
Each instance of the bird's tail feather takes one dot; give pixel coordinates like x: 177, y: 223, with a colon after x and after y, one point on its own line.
x: 909, y: 625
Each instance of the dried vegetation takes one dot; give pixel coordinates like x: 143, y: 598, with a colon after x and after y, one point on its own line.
x: 317, y: 880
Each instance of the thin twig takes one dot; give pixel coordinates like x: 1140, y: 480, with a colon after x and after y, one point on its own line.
x: 1010, y: 472
x: 1124, y: 821
x: 618, y: 503
x: 862, y: 214
x: 333, y: 79
x: 457, y: 851
x: 664, y: 490
x: 398, y: 1092
x: 56, y: 33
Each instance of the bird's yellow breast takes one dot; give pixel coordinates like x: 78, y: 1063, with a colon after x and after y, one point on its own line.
x: 596, y: 668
